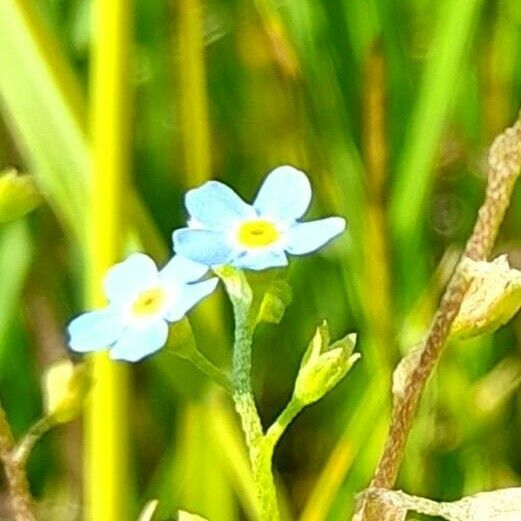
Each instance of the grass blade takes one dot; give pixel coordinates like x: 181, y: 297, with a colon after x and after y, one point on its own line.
x: 106, y: 427
x: 414, y: 177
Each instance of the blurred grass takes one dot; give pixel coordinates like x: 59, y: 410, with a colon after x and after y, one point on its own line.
x: 193, y: 93
x: 389, y: 106
x: 439, y: 83
x: 15, y: 260
x: 105, y: 460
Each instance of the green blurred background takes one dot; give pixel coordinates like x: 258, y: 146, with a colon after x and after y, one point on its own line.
x: 389, y: 106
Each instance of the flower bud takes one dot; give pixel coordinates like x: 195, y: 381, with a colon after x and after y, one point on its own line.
x: 493, y: 298
x: 18, y: 195
x: 323, y: 366
x: 65, y: 387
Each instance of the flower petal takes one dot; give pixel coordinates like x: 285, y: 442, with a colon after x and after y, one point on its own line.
x: 216, y: 206
x: 307, y: 237
x: 188, y: 296
x: 127, y: 278
x: 140, y: 341
x: 284, y: 195
x: 204, y: 246
x: 96, y: 330
x: 261, y: 260
x: 180, y: 269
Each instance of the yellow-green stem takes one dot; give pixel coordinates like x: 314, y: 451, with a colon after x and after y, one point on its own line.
x: 106, y: 494
x: 278, y: 427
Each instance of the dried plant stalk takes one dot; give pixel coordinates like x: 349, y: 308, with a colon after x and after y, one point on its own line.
x: 494, y: 505
x: 504, y: 169
x: 19, y: 495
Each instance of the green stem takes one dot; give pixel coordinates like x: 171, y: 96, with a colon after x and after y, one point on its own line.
x: 274, y: 433
x: 182, y: 343
x: 208, y: 368
x: 281, y: 423
x: 260, y: 456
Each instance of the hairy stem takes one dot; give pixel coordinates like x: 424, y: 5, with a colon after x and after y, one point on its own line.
x: 21, y: 501
x: 504, y: 169
x: 241, y: 297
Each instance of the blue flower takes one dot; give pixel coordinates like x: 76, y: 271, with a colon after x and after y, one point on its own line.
x: 142, y: 300
x: 224, y: 229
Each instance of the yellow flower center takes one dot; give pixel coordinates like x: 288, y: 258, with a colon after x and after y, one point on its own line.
x: 257, y: 234
x: 149, y: 302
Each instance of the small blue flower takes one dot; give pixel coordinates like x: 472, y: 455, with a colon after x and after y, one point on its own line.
x: 224, y: 229
x: 142, y: 300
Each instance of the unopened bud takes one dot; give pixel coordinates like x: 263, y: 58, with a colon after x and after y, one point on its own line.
x: 65, y: 387
x: 18, y: 195
x: 324, y: 366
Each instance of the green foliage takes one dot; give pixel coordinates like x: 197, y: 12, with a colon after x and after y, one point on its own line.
x: 389, y: 106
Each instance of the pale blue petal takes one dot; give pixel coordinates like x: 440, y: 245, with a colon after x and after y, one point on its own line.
x: 189, y: 295
x: 216, y: 206
x: 127, y: 278
x: 204, y: 246
x: 140, y: 341
x: 285, y: 195
x: 180, y: 269
x: 95, y: 330
x: 261, y: 260
x: 307, y: 237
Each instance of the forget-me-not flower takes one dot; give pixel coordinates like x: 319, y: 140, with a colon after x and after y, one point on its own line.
x: 142, y: 300
x: 224, y: 229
